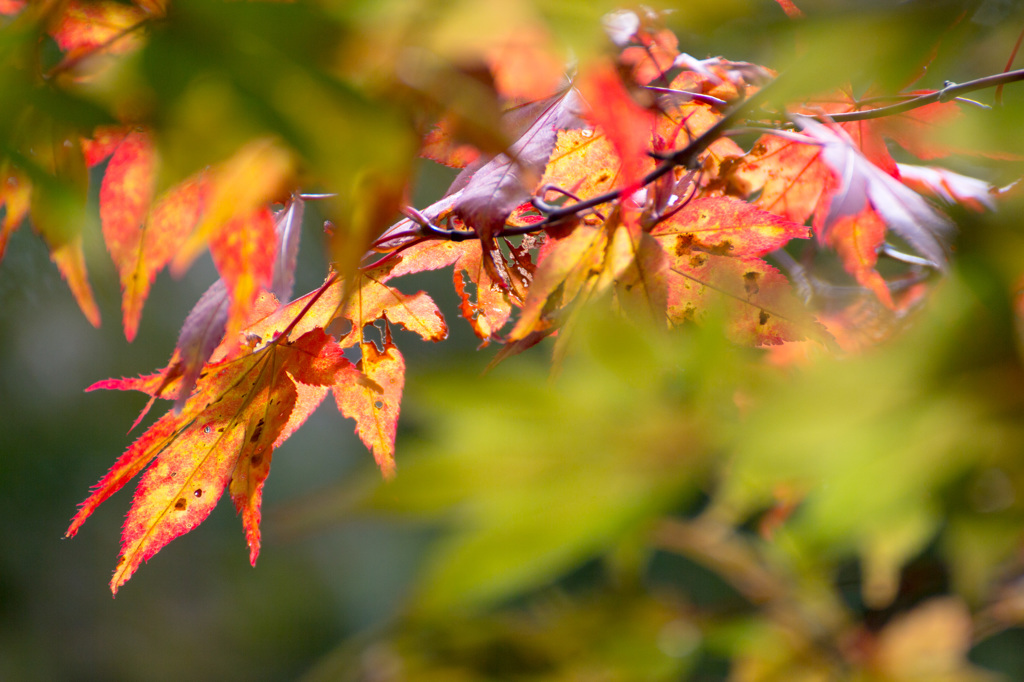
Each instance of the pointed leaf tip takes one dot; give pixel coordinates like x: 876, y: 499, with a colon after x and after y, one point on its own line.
x: 371, y: 394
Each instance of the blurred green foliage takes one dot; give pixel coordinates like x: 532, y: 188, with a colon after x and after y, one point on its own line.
x: 662, y: 506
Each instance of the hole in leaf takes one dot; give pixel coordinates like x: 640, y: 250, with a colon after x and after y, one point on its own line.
x: 339, y: 328
x: 378, y: 404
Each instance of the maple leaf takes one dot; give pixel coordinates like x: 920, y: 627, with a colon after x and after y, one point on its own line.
x: 207, y: 322
x: 492, y: 306
x: 243, y: 250
x: 641, y: 274
x: 856, y: 239
x: 15, y: 195
x: 256, y: 175
x: 440, y: 145
x: 657, y: 49
x: 104, y: 140
x: 288, y: 231
x: 791, y: 10
x: 853, y: 201
x: 225, y: 434
x: 789, y: 174
x: 224, y: 208
x: 584, y: 163
x: 712, y: 246
x: 729, y: 227
x: 56, y: 205
x: 915, y: 130
x: 759, y: 306
x: 627, y: 125
x: 524, y: 65
x: 861, y: 182
x: 507, y: 180
x: 563, y: 268
x: 143, y: 236
x: 83, y: 27
x: 952, y: 188
x: 370, y: 300
x: 373, y: 300
x: 12, y: 6
x: 371, y: 394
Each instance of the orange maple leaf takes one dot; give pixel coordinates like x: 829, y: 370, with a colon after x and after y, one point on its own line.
x: 625, y: 123
x: 104, y: 26
x: 225, y: 434
x: 729, y: 227
x: 371, y: 394
x: 856, y: 239
x: 758, y: 303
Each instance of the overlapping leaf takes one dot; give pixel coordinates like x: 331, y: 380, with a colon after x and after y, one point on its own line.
x: 97, y: 26
x: 627, y: 126
x: 57, y: 203
x: 140, y: 236
x: 862, y: 182
x: 755, y: 297
x: 729, y: 227
x: 507, y: 180
x: 226, y: 433
x: 247, y: 371
x: 371, y: 394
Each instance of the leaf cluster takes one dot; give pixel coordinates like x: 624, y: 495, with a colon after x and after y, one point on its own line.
x: 710, y: 248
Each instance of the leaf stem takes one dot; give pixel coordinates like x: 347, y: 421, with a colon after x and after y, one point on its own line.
x: 306, y: 308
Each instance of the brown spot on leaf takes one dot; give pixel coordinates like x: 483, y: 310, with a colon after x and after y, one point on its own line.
x: 181, y: 504
x: 257, y: 431
x: 697, y: 260
x: 256, y: 460
x: 750, y: 282
x: 198, y: 492
x: 683, y: 243
x: 763, y: 318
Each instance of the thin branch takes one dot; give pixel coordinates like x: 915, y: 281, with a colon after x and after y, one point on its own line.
x: 950, y: 92
x: 682, y: 157
x: 688, y: 155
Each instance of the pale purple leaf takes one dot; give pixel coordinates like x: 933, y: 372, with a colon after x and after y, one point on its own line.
x: 288, y: 225
x: 200, y: 335
x: 904, y: 211
x: 953, y: 188
x: 507, y: 180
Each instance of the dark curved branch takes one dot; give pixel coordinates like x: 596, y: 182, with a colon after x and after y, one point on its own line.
x: 949, y: 92
x: 687, y: 156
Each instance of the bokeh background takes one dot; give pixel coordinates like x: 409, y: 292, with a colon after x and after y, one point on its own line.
x: 547, y: 527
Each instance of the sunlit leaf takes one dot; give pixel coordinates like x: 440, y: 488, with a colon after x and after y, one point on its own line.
x: 371, y: 394
x: 225, y: 433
